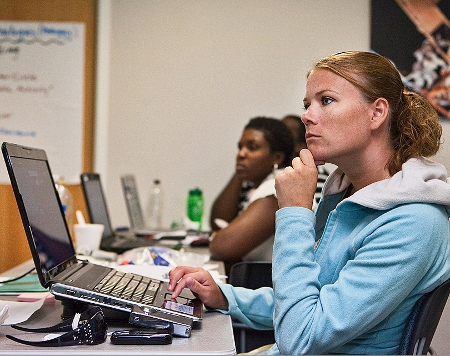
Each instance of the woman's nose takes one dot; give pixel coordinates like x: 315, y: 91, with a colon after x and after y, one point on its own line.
x: 306, y: 117
x: 241, y: 152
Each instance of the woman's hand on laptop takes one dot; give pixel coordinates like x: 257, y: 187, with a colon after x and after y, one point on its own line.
x: 200, y: 282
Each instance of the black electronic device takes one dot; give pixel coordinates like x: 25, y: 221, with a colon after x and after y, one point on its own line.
x: 141, y: 337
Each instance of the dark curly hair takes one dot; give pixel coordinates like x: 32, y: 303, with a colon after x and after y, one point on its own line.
x: 277, y: 134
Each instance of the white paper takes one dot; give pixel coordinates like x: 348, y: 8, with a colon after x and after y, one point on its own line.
x: 4, y: 314
x: 42, y: 91
x: 18, y: 312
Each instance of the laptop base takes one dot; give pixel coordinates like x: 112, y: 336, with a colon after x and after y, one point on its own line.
x: 71, y: 307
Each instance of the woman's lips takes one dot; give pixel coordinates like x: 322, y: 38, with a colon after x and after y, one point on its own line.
x: 310, y: 136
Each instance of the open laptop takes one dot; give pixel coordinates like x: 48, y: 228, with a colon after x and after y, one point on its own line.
x: 54, y: 256
x: 135, y: 215
x: 134, y: 210
x: 137, y: 222
x: 98, y: 214
x: 117, y: 241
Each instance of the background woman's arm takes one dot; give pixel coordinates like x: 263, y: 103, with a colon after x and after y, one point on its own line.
x: 226, y: 204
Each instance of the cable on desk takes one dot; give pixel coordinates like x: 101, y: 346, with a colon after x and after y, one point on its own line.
x: 19, y: 277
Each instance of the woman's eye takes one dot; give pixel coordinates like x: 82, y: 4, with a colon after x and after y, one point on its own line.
x: 306, y: 106
x: 326, y: 100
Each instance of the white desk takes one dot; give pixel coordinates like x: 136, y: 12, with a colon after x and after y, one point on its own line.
x: 214, y: 337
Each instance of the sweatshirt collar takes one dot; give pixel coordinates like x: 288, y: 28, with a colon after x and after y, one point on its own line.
x: 420, y: 180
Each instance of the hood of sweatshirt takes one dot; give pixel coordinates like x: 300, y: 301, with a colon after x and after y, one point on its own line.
x: 420, y: 180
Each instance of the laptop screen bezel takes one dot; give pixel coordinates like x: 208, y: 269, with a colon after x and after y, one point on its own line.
x: 22, y: 152
x: 96, y: 202
x: 134, y: 210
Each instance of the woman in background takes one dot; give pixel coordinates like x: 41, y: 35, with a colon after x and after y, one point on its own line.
x: 246, y: 207
x: 297, y: 127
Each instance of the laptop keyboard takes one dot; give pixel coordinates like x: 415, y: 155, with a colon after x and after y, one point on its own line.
x: 128, y: 286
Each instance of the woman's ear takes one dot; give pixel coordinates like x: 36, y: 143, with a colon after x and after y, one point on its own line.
x: 379, y: 113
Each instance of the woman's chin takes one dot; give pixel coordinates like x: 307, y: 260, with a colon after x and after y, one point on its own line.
x: 242, y: 174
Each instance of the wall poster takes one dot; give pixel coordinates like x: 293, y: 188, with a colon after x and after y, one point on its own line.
x: 41, y: 91
x: 415, y: 35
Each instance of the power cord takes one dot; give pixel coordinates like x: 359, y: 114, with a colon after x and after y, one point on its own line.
x: 19, y: 277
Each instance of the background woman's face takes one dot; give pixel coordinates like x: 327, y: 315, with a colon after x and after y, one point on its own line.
x: 254, y: 160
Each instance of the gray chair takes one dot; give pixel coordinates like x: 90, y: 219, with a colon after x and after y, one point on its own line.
x: 253, y: 275
x: 423, y: 321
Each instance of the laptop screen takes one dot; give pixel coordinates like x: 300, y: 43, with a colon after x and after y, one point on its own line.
x: 96, y: 202
x: 40, y: 209
x: 129, y: 188
x: 51, y: 239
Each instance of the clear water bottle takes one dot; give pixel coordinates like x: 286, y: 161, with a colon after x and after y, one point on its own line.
x: 155, y: 205
x: 195, y: 206
x: 66, y: 200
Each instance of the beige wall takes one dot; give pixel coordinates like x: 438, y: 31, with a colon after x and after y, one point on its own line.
x: 178, y: 80
x: 184, y: 77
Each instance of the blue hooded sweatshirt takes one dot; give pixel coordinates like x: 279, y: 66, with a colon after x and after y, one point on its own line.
x: 346, y: 279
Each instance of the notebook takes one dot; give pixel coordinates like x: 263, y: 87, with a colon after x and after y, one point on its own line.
x: 130, y: 193
x: 54, y: 256
x: 135, y: 215
x: 28, y: 283
x: 98, y: 214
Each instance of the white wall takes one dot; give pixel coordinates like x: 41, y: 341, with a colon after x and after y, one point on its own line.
x: 178, y: 80
x: 184, y: 77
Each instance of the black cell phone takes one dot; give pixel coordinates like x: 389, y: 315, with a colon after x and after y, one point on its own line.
x: 141, y: 337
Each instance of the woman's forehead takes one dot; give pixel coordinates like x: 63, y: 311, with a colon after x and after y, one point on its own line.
x: 252, y: 133
x: 324, y: 80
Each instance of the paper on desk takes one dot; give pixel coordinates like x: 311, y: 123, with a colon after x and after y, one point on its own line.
x: 20, y: 311
x: 4, y: 314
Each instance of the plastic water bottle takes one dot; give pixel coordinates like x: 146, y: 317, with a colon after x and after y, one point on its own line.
x: 154, y: 208
x: 195, y: 206
x: 66, y: 199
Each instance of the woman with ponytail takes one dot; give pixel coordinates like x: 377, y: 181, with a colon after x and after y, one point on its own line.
x: 346, y: 278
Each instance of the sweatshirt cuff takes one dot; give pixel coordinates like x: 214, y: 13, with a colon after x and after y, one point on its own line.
x: 227, y: 291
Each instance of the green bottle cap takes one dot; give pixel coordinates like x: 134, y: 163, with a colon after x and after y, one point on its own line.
x: 195, y: 191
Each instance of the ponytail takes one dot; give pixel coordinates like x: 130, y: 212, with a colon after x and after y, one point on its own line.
x: 415, y: 130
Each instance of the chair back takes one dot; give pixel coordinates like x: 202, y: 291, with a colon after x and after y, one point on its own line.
x: 251, y: 274
x: 423, y: 321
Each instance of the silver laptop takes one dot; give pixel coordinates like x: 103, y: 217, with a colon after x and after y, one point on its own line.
x: 134, y: 210
x: 135, y: 215
x: 54, y: 256
x: 112, y: 240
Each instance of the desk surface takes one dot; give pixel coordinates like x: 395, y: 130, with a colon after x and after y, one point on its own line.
x: 214, y: 336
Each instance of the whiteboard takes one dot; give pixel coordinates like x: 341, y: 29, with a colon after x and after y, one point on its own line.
x: 41, y: 91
